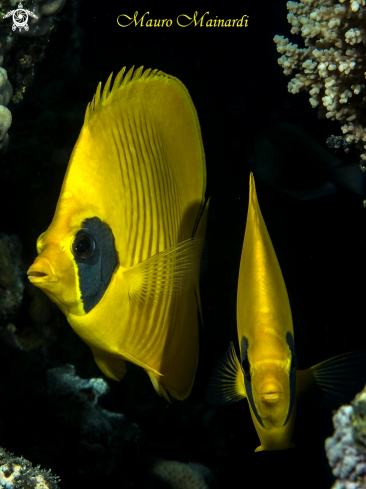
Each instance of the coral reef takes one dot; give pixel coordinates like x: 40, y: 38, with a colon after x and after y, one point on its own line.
x: 55, y: 417
x: 182, y: 476
x: 18, y: 473
x: 331, y: 67
x: 359, y: 420
x: 76, y: 402
x: 23, y: 48
x: 346, y: 448
x: 11, y: 277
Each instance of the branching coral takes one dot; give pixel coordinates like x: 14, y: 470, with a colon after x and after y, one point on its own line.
x: 331, y: 68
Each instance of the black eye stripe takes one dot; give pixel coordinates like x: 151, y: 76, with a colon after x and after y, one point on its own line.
x: 246, y: 367
x: 291, y: 345
x: 96, y: 260
x: 247, y: 377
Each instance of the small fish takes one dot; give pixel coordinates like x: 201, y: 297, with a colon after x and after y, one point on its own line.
x: 295, y: 164
x: 266, y: 373
x: 121, y: 257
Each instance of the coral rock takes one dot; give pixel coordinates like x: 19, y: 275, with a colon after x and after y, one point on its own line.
x: 344, y: 450
x: 18, y: 473
x: 77, y: 402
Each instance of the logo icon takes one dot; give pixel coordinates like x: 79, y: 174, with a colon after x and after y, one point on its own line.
x: 20, y: 18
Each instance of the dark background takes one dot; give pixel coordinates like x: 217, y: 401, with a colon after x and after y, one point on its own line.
x: 238, y: 90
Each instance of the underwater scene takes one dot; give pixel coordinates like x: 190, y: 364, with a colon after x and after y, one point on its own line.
x: 182, y: 236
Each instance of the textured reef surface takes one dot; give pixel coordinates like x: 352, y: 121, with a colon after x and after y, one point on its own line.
x: 346, y: 449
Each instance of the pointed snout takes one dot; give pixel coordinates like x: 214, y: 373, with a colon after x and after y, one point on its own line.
x: 41, y: 271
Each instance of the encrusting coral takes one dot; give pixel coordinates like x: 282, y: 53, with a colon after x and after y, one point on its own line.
x: 346, y: 449
x: 18, y: 473
x: 331, y: 67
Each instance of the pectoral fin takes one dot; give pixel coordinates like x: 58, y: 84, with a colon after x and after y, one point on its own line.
x: 167, y: 273
x: 227, y: 382
x: 332, y: 382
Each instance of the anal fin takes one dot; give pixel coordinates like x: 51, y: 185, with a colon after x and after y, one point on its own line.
x: 227, y: 382
x: 158, y: 387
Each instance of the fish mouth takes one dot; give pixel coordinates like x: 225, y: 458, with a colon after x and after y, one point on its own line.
x: 270, y: 397
x: 41, y: 271
x: 34, y: 274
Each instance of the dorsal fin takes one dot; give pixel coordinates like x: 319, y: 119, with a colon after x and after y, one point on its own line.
x: 119, y: 82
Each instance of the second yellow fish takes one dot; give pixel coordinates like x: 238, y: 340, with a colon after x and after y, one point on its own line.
x: 266, y: 373
x: 121, y: 257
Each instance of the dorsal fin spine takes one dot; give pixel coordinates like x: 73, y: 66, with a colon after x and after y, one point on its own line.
x: 127, y: 78
x: 97, y: 95
x: 137, y: 73
x: 106, y: 91
x: 118, y: 80
x: 146, y: 73
x: 87, y: 114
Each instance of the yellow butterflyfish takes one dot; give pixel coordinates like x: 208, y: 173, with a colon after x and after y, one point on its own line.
x: 121, y: 257
x: 266, y: 373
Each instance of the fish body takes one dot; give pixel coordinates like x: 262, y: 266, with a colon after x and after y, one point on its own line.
x: 264, y: 325
x: 121, y: 256
x: 266, y: 372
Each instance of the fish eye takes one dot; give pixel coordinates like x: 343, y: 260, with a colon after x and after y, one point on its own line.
x: 83, y: 246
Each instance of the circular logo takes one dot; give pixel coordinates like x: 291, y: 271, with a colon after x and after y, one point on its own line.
x: 20, y: 19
